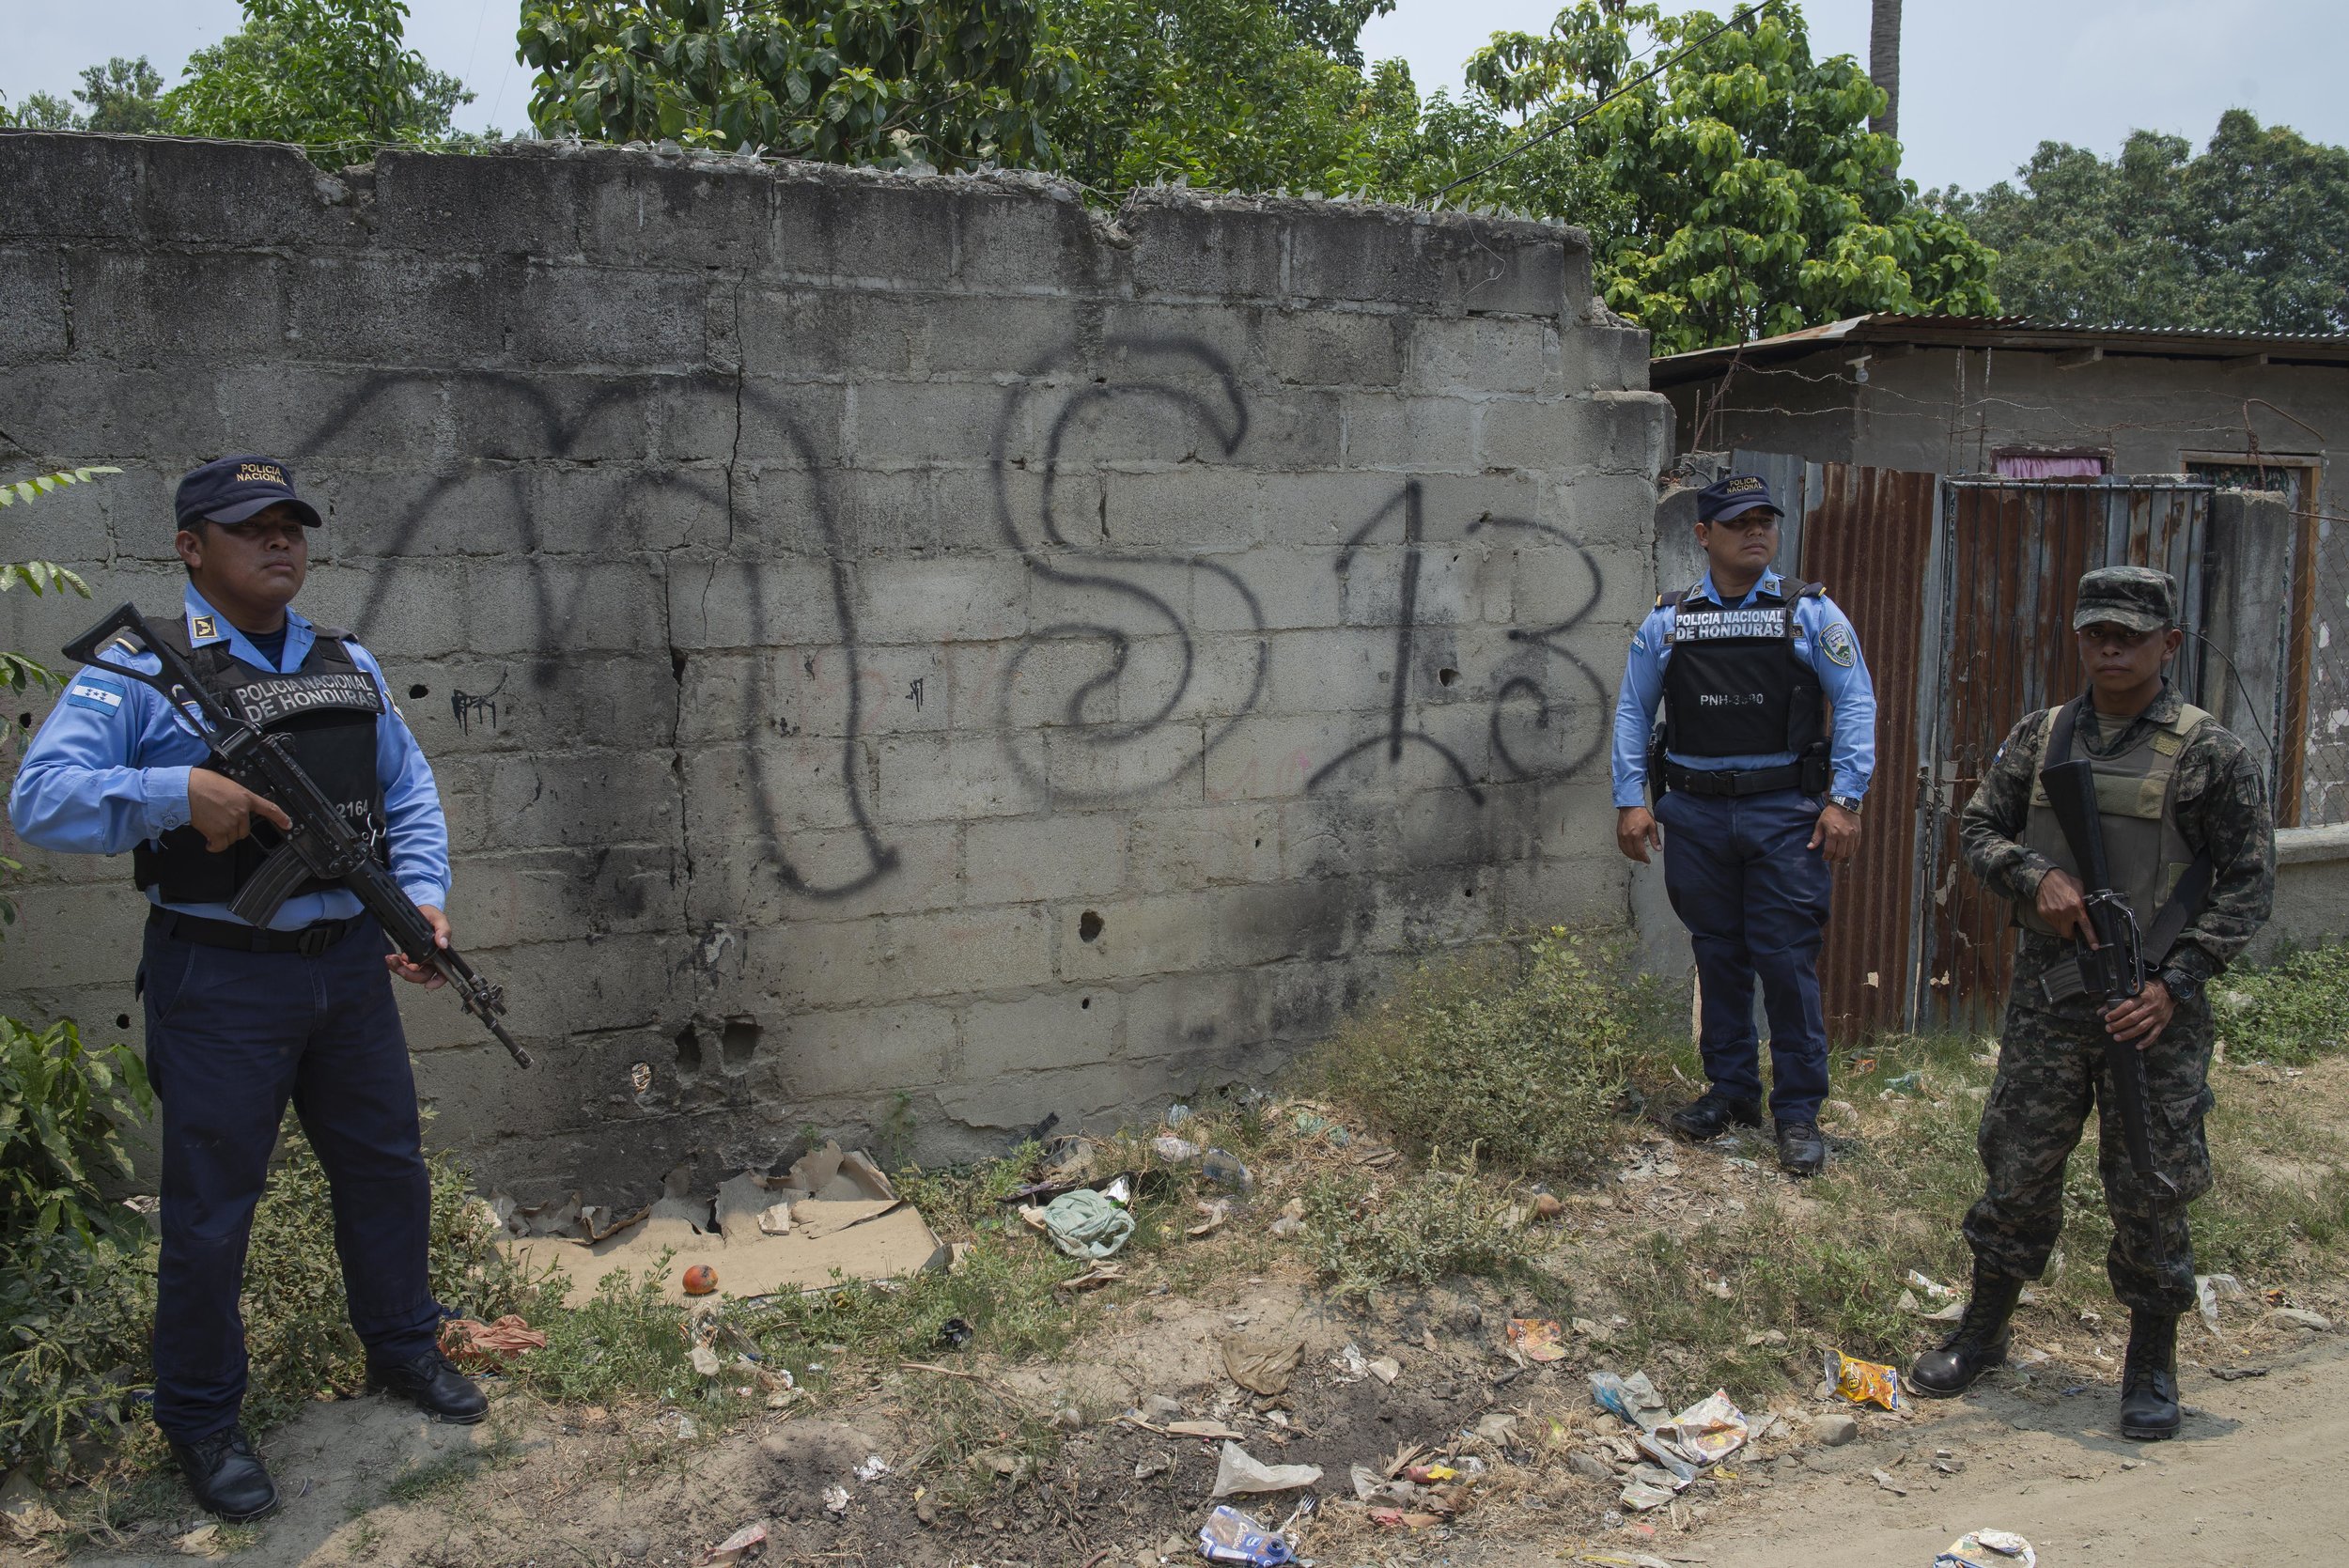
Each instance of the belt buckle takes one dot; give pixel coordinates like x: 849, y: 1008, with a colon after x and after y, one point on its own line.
x: 315, y: 939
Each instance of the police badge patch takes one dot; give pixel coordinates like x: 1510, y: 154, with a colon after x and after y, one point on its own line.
x: 1836, y: 640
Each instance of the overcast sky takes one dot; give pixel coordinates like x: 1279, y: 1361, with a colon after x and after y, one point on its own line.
x: 1984, y: 82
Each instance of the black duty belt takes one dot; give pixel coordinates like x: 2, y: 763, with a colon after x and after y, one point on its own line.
x: 1723, y: 781
x: 311, y: 941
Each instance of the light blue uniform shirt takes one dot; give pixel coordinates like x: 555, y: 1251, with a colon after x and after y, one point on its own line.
x: 110, y: 765
x: 1823, y: 638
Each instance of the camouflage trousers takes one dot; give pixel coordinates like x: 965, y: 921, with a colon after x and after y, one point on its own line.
x: 2051, y: 1073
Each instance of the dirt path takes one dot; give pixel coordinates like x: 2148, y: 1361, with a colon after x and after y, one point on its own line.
x: 2255, y: 1478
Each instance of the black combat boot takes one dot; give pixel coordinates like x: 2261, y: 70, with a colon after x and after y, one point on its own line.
x: 1712, y: 1114
x: 1801, y: 1151
x: 2148, y: 1378
x: 434, y: 1383
x: 227, y: 1476
x: 1979, y: 1344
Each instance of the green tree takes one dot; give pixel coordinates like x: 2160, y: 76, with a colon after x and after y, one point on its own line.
x: 334, y: 76
x: 1738, y: 195
x: 1251, y: 95
x: 863, y: 81
x: 42, y: 112
x: 2253, y: 235
x: 122, y: 96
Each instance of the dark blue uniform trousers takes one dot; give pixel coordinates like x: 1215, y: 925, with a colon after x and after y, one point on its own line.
x: 1754, y: 899
x: 230, y: 1038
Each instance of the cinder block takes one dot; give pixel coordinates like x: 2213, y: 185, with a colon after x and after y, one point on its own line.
x: 960, y: 599
x: 1367, y: 256
x: 775, y: 786
x: 397, y: 310
x: 925, y: 421
x: 1417, y: 435
x: 752, y: 604
x: 647, y: 213
x: 601, y: 797
x: 34, y: 290
x: 314, y: 418
x: 1529, y: 275
x: 1328, y: 509
x: 947, y: 778
x: 506, y: 898
x: 1597, y: 358
x: 1095, y: 1098
x: 966, y: 952
x: 1193, y: 507
x: 553, y: 414
x: 1267, y: 758
x: 865, y: 1051
x: 1092, y: 763
x: 1184, y: 245
x: 403, y: 610
x: 1265, y: 589
x: 1024, y: 859
x: 507, y: 205
x: 1604, y: 510
x: 1440, y: 581
x: 538, y: 603
x: 1134, y: 937
x: 1335, y: 347
x: 837, y: 875
x: 803, y: 334
x: 547, y: 703
x: 76, y: 414
x: 1218, y: 341
x: 1179, y: 848
x: 1009, y: 242
x: 71, y: 934
x: 1064, y: 1027
x: 791, y: 969
x: 606, y: 317
x: 1180, y: 1017
x: 1593, y: 889
x: 1550, y: 434
x: 1330, y: 671
x: 1484, y: 354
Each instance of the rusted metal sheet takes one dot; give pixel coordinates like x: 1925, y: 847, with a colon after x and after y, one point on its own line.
x: 2011, y: 553
x: 1868, y: 535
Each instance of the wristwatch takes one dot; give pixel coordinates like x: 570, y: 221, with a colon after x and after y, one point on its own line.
x: 1849, y: 803
x: 2181, y: 985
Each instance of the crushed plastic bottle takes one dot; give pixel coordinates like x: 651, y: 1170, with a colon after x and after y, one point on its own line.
x: 1226, y: 1169
x: 1174, y: 1150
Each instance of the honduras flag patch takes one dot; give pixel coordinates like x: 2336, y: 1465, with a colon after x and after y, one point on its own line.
x: 99, y: 695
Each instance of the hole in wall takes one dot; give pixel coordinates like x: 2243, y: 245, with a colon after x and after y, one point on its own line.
x: 1468, y: 893
x: 1447, y: 677
x: 689, y: 1052
x: 24, y: 721
x: 1089, y: 926
x: 122, y: 1020
x: 738, y: 1042
x: 419, y: 691
x: 1085, y: 1002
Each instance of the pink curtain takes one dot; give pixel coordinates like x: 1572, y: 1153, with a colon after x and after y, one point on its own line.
x: 2051, y: 467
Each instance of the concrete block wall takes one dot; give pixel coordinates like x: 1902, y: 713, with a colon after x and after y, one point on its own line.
x: 902, y: 656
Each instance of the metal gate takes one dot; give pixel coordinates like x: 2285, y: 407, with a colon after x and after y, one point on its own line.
x: 2008, y: 561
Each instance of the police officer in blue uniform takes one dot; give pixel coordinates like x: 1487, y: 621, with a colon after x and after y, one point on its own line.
x: 1764, y: 758
x: 242, y: 1018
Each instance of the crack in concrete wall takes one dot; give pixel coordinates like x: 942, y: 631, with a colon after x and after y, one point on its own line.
x: 898, y: 653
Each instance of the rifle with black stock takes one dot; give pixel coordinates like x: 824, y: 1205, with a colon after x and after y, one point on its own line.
x: 322, y: 845
x: 2112, y: 967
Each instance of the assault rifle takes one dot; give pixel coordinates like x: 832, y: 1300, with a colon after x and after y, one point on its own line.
x: 2112, y: 967
x: 323, y: 844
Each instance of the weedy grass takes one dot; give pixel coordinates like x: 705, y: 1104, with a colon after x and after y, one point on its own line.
x: 2290, y: 1012
x: 1366, y: 1231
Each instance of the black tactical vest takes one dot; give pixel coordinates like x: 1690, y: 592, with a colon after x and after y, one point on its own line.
x: 1735, y: 685
x: 327, y: 712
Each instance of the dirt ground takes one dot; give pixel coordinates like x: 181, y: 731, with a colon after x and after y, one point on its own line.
x: 2252, y: 1479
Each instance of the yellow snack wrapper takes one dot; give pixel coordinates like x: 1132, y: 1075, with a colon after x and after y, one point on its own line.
x: 1863, y: 1382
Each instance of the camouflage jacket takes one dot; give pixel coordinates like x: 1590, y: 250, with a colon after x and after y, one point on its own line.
x: 2222, y: 812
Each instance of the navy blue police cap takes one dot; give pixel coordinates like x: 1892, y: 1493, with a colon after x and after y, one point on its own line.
x: 235, y: 487
x: 1733, y: 497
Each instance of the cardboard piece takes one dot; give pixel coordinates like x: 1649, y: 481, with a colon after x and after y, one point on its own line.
x: 839, y: 1214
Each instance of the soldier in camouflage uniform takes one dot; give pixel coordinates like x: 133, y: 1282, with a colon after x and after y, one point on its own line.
x: 2175, y: 791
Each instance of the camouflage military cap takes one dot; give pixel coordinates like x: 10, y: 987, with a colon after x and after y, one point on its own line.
x: 2138, y: 597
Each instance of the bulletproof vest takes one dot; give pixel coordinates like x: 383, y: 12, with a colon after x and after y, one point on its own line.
x: 2136, y: 799
x: 326, y: 711
x: 1735, y: 685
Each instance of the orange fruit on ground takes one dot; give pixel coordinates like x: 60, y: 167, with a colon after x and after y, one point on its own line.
x: 700, y: 1279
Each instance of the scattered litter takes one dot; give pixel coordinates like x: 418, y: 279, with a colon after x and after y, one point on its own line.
x: 1292, y: 1219
x: 1537, y: 1337
x: 1888, y: 1484
x: 698, y: 1280
x: 1633, y: 1398
x: 1226, y: 1169
x: 1177, y: 1113
x: 1430, y: 1475
x: 1385, y: 1369
x: 1264, y: 1366
x: 1153, y: 1464
x: 1216, y: 1212
x: 686, y: 1429
x: 1397, y: 1518
x: 1231, y: 1536
x: 1210, y: 1430
x: 873, y: 1467
x: 835, y: 1499
x: 706, y: 1361
x: 470, y: 1342
x: 1174, y: 1150
x: 1988, y: 1549
x: 1933, y: 1288
x: 953, y: 1334
x: 1953, y: 1312
x: 1237, y: 1473
x: 1640, y: 1496
x: 743, y: 1543
x: 203, y: 1540
x: 2208, y: 1289
x: 1705, y: 1433
x: 1092, y: 1279
x: 1086, y: 1224
x: 1352, y: 1365
x: 1863, y: 1382
x: 1497, y: 1426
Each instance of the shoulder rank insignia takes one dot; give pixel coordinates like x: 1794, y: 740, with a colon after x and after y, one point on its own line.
x: 203, y: 626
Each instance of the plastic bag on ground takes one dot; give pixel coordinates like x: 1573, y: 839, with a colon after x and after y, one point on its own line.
x: 1988, y: 1549
x: 1863, y: 1382
x: 1633, y: 1398
x: 1085, y: 1224
x: 1707, y: 1431
x: 1237, y: 1473
x: 1231, y: 1536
